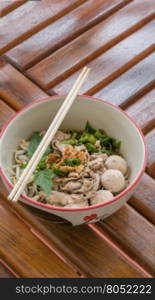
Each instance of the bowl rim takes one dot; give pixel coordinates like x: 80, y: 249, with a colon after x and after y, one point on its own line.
x: 87, y: 208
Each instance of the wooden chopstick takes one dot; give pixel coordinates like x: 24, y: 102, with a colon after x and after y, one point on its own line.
x: 28, y: 171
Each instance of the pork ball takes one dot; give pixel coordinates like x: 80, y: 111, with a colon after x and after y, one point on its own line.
x: 116, y: 162
x: 113, y: 180
x: 101, y: 196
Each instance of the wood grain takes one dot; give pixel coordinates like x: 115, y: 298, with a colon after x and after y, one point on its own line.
x: 134, y: 234
x: 89, y: 253
x: 143, y: 112
x: 8, y: 5
x: 32, y: 16
x: 111, y: 64
x: 95, y: 41
x: 123, y: 90
x: 32, y: 257
x: 59, y: 33
x: 144, y: 198
x: 15, y: 88
x: 5, y: 273
x: 5, y: 113
x: 150, y: 138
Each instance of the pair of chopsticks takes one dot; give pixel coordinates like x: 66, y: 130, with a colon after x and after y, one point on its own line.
x: 28, y: 171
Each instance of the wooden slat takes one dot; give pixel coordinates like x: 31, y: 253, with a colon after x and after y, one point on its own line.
x: 88, y: 252
x: 5, y: 112
x: 25, y: 254
x: 62, y: 31
x: 32, y: 16
x: 143, y: 111
x: 4, y: 273
x: 111, y: 64
x: 8, y: 5
x: 144, y: 198
x: 15, y: 88
x: 68, y: 59
x: 151, y: 152
x: 134, y: 234
x: 91, y: 253
x: 123, y: 90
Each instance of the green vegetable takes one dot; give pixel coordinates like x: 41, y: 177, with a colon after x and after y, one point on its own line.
x: 42, y: 163
x: 23, y: 166
x: 74, y: 135
x: 48, y: 151
x: 35, y: 141
x: 91, y: 148
x: 60, y: 173
x: 79, y: 134
x: 116, y: 145
x: 102, y: 131
x: 87, y: 138
x: 89, y: 128
x: 99, y: 134
x: 105, y: 141
x: 44, y: 180
x: 72, y: 162
x: 72, y: 142
x: 110, y: 145
x: 84, y: 138
x: 91, y: 139
x: 90, y: 135
x: 108, y: 152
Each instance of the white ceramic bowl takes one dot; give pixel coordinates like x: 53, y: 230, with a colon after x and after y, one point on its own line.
x: 101, y: 114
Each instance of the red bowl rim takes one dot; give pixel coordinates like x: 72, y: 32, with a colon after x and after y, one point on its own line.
x: 120, y: 195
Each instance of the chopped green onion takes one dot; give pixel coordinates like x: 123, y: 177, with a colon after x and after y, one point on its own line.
x: 72, y: 162
x: 60, y: 173
x: 105, y: 141
x: 41, y: 164
x: 72, y: 142
x: 116, y: 144
x: 99, y: 134
x: 87, y: 138
x: 91, y: 148
x: 89, y: 128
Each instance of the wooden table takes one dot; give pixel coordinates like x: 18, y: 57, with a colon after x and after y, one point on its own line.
x: 43, y: 46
